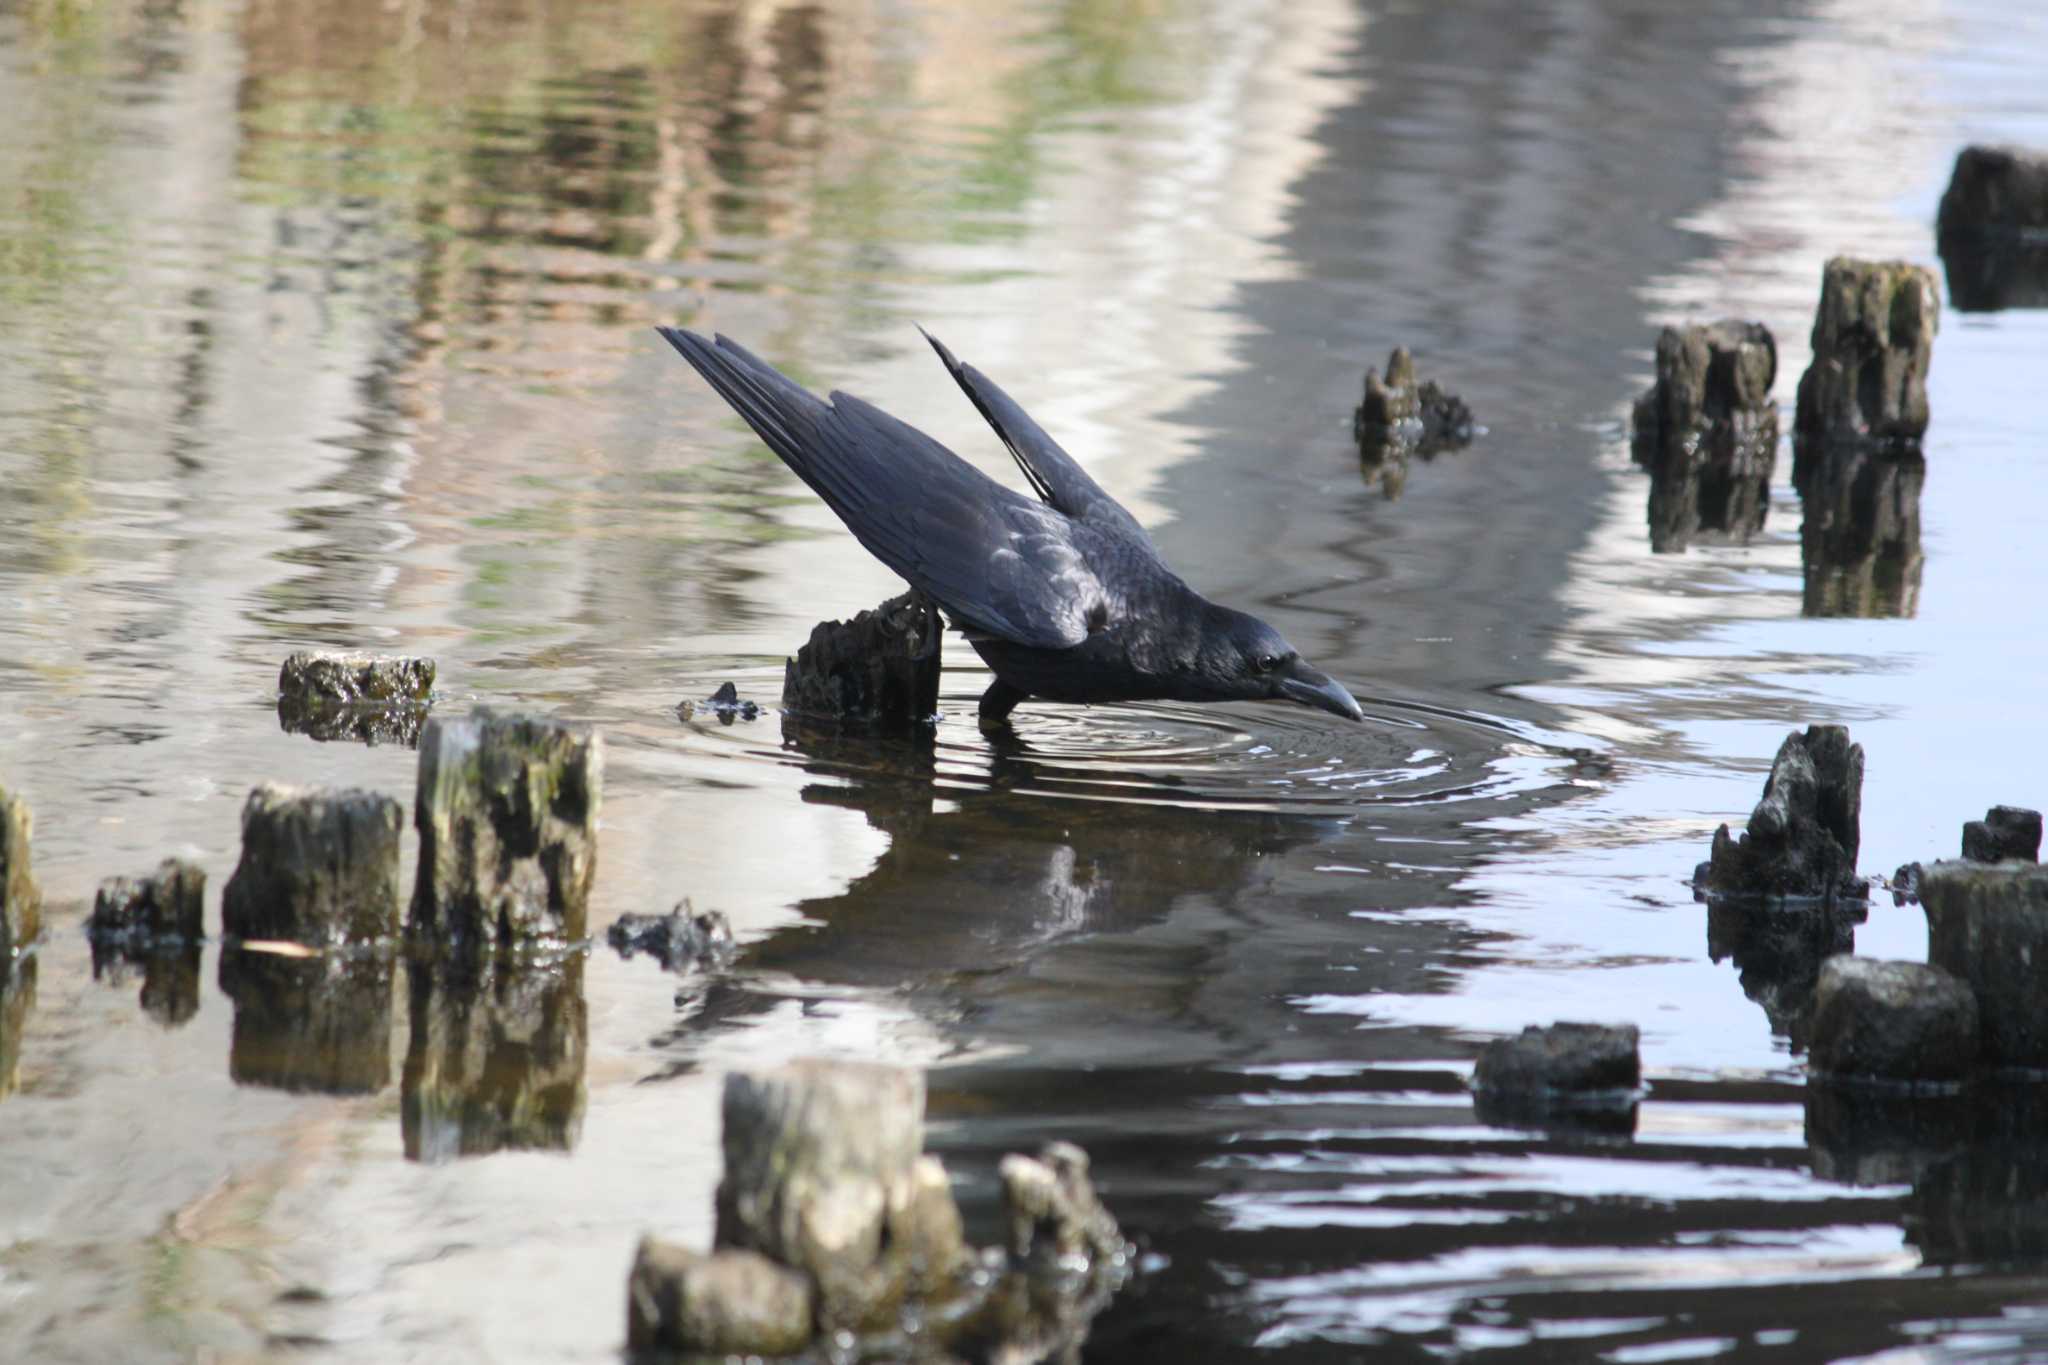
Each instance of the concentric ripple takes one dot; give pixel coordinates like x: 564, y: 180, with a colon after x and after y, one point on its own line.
x: 1258, y: 757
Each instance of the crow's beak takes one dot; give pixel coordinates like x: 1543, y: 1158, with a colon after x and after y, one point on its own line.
x: 1311, y: 688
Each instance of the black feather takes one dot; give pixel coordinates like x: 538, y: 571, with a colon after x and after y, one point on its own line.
x: 1065, y: 596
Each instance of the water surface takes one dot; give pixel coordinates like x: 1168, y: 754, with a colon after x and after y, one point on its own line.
x: 331, y: 327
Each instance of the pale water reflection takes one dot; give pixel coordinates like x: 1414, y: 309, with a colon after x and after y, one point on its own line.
x: 331, y: 326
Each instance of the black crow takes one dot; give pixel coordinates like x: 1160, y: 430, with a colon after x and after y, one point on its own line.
x: 1063, y: 597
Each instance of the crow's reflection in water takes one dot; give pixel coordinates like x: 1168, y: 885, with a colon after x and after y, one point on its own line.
x: 976, y: 876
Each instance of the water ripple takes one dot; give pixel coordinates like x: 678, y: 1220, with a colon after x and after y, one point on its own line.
x: 1270, y: 758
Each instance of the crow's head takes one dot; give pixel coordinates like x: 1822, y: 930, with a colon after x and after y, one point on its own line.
x: 1243, y: 658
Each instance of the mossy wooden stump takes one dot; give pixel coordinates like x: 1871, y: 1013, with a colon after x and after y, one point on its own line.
x: 507, y: 817
x: 319, y: 867
x: 1873, y: 336
x: 21, y: 903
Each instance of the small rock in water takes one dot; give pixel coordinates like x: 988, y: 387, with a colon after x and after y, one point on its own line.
x: 731, y: 1303
x: 167, y: 903
x: 319, y: 867
x: 880, y: 668
x: 21, y: 902
x: 1988, y: 924
x: 1873, y: 335
x: 354, y: 679
x: 1562, y: 1058
x: 1707, y: 431
x: 1905, y: 884
x: 725, y: 703
x: 2004, y: 832
x: 680, y: 941
x: 1993, y: 229
x: 506, y: 810
x: 1398, y: 417
x: 1052, y: 1210
x: 1894, y: 1021
x: 1804, y: 834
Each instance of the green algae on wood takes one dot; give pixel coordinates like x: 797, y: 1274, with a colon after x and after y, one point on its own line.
x: 21, y: 901
x: 506, y: 810
x: 1873, y: 336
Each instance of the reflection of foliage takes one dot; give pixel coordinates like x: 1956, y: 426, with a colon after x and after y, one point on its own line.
x: 59, y: 262
x: 1106, y: 54
x: 490, y: 197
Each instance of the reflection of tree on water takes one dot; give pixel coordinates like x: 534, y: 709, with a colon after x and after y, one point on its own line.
x: 17, y: 997
x: 497, y: 1057
x: 170, y: 976
x: 1977, y: 1161
x: 1860, y: 544
x: 320, y: 1023
x: 1988, y: 1202
x: 1777, y: 951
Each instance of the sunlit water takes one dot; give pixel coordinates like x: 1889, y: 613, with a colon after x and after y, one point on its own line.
x: 331, y: 326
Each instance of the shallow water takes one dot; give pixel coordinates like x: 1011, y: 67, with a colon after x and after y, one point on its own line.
x: 331, y: 326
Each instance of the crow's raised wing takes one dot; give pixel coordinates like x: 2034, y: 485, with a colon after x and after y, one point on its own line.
x: 998, y: 562
x: 1053, y: 474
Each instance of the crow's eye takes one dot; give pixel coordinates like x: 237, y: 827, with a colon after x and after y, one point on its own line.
x: 1266, y: 663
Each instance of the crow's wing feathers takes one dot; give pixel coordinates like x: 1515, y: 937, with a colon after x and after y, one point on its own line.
x: 999, y: 563
x: 1053, y: 474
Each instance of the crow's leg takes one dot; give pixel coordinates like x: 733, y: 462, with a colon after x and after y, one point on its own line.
x: 998, y: 702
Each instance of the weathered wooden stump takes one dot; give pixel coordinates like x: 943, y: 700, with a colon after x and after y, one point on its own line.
x: 1993, y: 229
x: 166, y: 904
x: 2004, y: 832
x: 354, y: 679
x: 507, y: 816
x: 319, y: 867
x: 1892, y: 1021
x: 21, y: 902
x: 730, y: 1302
x: 1873, y: 336
x: 822, y: 1174
x: 1562, y: 1058
x: 831, y: 1223
x: 1804, y: 834
x: 1987, y: 923
x: 881, y: 668
x: 1398, y: 417
x: 373, y: 698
